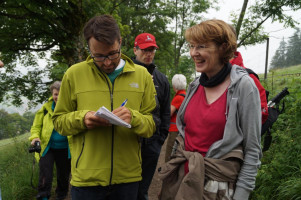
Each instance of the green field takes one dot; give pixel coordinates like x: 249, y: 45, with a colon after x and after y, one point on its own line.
x: 8, y: 141
x: 16, y: 169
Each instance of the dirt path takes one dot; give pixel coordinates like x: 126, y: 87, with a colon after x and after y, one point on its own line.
x: 155, y: 185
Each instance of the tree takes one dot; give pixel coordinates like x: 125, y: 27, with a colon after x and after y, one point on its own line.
x: 150, y: 16
x: 38, y: 26
x: 279, y: 59
x: 13, y: 124
x: 3, y: 124
x: 54, y: 28
x: 249, y: 23
x: 185, y: 13
x: 293, y: 54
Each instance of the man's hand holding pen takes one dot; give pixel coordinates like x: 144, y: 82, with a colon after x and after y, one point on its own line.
x: 91, y: 121
x: 123, y: 113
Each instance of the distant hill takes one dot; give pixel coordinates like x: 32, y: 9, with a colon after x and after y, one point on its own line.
x: 21, y: 110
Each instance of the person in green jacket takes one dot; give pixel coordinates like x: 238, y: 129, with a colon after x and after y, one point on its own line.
x: 106, y: 158
x: 54, y: 148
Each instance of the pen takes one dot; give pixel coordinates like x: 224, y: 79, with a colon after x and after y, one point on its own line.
x: 123, y: 103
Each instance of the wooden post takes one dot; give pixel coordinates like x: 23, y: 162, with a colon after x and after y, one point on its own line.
x: 266, y: 60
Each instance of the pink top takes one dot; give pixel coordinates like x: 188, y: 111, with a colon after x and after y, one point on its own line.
x: 205, y: 122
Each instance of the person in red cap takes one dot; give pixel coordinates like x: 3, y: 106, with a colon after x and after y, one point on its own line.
x: 145, y: 49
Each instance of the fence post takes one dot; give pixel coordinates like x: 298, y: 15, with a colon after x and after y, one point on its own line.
x: 266, y: 60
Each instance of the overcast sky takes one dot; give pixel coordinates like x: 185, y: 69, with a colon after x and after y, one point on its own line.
x: 254, y: 56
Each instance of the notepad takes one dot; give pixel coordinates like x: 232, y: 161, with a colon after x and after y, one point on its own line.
x: 113, y: 119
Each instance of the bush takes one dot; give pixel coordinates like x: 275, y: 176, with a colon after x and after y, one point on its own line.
x: 280, y: 175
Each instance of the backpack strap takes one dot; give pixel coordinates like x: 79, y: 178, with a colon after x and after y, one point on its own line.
x: 256, y: 75
x: 252, y: 72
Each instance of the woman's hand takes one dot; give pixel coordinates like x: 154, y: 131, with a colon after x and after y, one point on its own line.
x: 34, y: 140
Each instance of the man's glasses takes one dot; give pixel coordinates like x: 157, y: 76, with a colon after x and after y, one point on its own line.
x: 153, y: 50
x: 111, y: 56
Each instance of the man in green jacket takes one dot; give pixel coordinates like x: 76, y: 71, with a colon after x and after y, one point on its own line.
x: 105, y: 158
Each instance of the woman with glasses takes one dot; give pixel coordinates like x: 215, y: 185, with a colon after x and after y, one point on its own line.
x: 219, y: 122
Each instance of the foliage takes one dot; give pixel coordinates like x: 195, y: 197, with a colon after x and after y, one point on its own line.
x: 251, y: 31
x: 288, y: 54
x: 185, y: 13
x: 152, y: 17
x: 279, y: 59
x: 38, y: 26
x: 52, y: 30
x: 12, y: 125
x: 280, y: 176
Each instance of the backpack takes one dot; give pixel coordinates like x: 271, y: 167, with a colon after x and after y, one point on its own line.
x: 273, y: 113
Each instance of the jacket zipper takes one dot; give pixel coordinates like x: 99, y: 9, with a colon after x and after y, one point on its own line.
x: 81, y: 152
x: 112, y: 146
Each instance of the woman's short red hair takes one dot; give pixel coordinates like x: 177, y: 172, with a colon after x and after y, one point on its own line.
x: 216, y: 31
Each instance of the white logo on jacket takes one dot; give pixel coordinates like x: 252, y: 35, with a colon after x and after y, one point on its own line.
x: 134, y: 85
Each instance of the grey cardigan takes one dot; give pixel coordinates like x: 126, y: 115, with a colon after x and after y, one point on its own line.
x: 243, y: 125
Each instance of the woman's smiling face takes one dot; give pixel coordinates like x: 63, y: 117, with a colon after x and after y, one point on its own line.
x: 206, y: 58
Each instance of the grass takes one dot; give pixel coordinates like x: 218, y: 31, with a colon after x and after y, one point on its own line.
x: 280, y: 174
x: 16, y: 169
x: 288, y: 70
x: 22, y: 137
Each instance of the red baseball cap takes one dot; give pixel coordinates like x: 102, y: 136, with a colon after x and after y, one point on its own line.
x: 145, y: 40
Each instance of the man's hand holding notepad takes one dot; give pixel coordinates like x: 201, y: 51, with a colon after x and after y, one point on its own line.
x: 113, y: 119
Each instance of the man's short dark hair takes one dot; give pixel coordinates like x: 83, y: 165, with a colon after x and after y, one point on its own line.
x: 103, y: 28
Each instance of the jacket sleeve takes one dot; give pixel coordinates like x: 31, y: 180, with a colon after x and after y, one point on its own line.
x: 66, y: 119
x: 250, y: 124
x: 142, y: 121
x: 36, y: 129
x: 165, y: 111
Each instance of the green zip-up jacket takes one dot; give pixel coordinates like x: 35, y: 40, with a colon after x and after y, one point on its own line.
x: 42, y: 126
x: 105, y: 155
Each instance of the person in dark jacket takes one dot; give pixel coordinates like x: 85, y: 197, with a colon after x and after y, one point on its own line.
x: 145, y: 49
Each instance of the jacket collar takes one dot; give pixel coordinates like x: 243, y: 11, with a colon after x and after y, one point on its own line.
x: 150, y: 68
